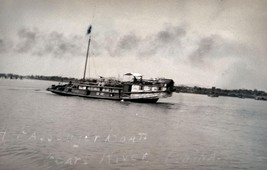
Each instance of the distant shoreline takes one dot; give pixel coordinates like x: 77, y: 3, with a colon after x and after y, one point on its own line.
x: 212, y: 92
x: 216, y: 92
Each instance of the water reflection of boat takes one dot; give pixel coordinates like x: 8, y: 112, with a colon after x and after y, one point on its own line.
x: 135, y: 88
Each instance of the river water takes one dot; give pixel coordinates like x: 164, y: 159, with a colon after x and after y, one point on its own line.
x: 41, y: 130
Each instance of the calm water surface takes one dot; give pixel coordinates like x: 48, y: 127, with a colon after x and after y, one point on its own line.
x: 41, y: 130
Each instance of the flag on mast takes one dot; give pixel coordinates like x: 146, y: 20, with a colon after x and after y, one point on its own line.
x: 89, y: 29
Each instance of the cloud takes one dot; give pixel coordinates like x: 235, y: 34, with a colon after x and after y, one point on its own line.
x: 128, y: 44
x: 205, y: 46
x: 59, y: 45
x: 27, y: 40
x: 170, y: 42
x: 164, y: 42
x: 36, y: 43
x: 244, y: 74
x: 173, y: 42
x: 227, y: 61
x: 5, y: 46
x: 210, y: 49
x: 114, y: 44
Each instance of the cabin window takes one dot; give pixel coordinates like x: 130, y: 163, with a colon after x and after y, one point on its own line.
x: 96, y: 89
x: 154, y: 88
x: 147, y: 88
x: 81, y: 88
x: 115, y: 91
x: 105, y: 90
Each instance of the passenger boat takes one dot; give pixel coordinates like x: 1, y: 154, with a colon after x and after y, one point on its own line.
x: 131, y: 88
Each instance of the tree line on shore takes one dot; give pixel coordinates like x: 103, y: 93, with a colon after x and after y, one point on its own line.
x: 37, y: 77
x: 216, y: 92
x: 213, y: 92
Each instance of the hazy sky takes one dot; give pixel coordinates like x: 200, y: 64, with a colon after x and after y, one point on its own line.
x: 202, y: 42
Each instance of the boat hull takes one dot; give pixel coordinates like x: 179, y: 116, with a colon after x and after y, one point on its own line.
x: 143, y: 100
x: 139, y: 100
x: 144, y: 91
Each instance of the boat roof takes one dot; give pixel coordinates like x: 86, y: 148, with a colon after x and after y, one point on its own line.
x: 134, y: 74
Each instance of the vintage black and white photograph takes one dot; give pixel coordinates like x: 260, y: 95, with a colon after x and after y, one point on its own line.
x: 133, y: 84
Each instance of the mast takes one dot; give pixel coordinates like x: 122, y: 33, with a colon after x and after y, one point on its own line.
x: 87, y: 53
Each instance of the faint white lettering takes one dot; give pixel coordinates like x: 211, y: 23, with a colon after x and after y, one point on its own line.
x: 49, y: 139
x: 96, y: 137
x: 142, y: 136
x: 132, y: 139
x: 102, y: 159
x: 3, y: 136
x: 144, y: 156
x: 76, y: 159
x: 115, y: 159
x: 124, y: 157
x: 59, y: 162
x: 69, y: 161
x: 123, y: 139
x: 33, y: 136
x: 107, y: 139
